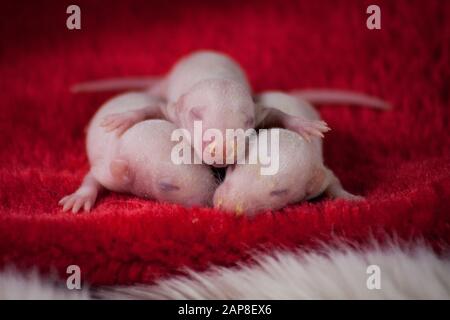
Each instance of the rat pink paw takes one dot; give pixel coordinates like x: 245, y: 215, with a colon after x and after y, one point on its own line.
x: 82, y: 198
x: 308, y: 128
x: 121, y: 122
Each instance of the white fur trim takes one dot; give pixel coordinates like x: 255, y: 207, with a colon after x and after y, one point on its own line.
x: 338, y: 274
x: 15, y: 285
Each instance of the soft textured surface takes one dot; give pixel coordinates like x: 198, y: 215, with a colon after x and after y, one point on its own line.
x: 332, y: 273
x: 399, y: 159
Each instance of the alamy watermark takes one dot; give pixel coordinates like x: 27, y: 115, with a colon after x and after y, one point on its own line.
x: 374, y: 280
x: 374, y: 20
x: 74, y: 19
x: 263, y: 147
x: 73, y: 281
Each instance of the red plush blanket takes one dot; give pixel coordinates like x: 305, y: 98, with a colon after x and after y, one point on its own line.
x: 399, y: 159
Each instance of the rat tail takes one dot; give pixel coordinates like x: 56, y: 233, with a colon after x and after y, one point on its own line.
x: 331, y: 96
x: 114, y: 84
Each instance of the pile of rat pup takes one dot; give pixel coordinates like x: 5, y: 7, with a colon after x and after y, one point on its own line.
x: 129, y: 143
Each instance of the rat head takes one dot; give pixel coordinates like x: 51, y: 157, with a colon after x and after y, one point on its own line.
x: 300, y: 176
x: 217, y: 114
x: 245, y: 190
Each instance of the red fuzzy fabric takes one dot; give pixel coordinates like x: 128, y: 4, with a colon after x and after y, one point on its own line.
x: 398, y: 159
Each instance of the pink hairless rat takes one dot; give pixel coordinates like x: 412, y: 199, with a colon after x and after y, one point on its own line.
x: 203, y: 86
x: 138, y: 162
x: 211, y: 87
x: 302, y: 174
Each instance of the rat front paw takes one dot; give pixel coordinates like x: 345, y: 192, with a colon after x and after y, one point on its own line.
x: 80, y: 199
x: 120, y: 122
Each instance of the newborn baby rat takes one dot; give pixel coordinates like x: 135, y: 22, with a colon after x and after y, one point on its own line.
x: 301, y: 174
x: 209, y: 87
x: 138, y: 162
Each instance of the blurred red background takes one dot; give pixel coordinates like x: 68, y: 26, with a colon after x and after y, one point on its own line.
x: 398, y: 159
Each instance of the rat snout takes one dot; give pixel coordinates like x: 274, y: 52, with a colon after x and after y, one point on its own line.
x: 215, y: 154
x: 236, y: 207
x: 226, y: 200
x: 218, y: 197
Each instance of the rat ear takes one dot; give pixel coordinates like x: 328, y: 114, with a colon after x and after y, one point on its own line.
x: 119, y: 169
x: 179, y: 104
x: 262, y: 113
x: 196, y: 113
x: 173, y: 109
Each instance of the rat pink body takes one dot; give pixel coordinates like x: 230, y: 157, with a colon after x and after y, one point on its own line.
x: 302, y: 174
x: 204, y: 86
x: 138, y: 162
